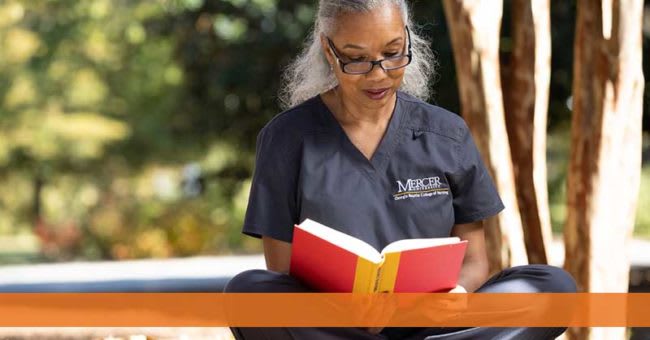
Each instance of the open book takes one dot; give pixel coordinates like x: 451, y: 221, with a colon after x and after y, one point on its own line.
x: 328, y: 260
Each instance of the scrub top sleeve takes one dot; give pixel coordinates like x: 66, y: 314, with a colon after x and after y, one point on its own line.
x: 272, y: 202
x: 474, y: 194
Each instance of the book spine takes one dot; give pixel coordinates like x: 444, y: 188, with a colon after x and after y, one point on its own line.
x: 375, y: 288
x: 389, y: 268
x: 364, y: 277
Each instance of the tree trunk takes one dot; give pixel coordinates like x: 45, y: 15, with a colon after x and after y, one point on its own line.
x: 474, y: 29
x: 526, y: 104
x: 605, y: 161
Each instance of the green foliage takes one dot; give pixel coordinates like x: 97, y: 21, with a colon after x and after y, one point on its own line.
x: 98, y: 120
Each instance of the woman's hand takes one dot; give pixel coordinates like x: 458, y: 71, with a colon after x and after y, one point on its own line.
x: 458, y: 289
x: 378, y: 308
x: 474, y: 271
x: 374, y: 330
x: 458, y: 306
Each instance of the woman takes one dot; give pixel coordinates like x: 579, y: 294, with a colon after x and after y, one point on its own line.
x: 355, y: 136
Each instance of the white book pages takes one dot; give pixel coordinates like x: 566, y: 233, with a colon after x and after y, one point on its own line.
x: 347, y: 242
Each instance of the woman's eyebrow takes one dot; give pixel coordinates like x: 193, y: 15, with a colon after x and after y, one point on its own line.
x: 394, y: 41
x: 357, y: 47
x: 353, y: 46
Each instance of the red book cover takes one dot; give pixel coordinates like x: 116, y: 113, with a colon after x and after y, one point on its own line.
x: 429, y: 269
x: 322, y: 265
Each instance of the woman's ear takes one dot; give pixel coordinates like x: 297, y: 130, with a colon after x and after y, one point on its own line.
x: 326, y: 50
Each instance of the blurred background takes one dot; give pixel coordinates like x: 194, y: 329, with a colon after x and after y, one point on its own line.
x: 127, y: 128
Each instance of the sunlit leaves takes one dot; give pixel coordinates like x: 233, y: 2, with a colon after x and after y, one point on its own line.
x: 50, y: 135
x: 10, y: 13
x: 228, y: 28
x: 87, y: 126
x: 86, y: 89
x: 98, y: 9
x: 147, y: 10
x: 135, y: 33
x: 173, y: 75
x: 178, y: 6
x: 13, y: 200
x: 19, y: 45
x: 97, y: 47
x: 21, y: 92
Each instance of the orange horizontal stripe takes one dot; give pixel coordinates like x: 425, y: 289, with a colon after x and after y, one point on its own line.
x: 322, y: 309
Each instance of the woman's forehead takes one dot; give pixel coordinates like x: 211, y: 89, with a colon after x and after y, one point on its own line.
x: 380, y: 26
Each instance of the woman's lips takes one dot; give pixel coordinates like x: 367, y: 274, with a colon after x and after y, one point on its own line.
x: 376, y: 93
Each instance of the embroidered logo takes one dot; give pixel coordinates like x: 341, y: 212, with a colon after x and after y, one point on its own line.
x: 420, y: 187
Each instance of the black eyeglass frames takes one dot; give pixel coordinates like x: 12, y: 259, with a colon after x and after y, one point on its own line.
x: 363, y: 67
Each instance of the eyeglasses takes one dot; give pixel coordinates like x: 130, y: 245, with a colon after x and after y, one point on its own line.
x: 363, y: 67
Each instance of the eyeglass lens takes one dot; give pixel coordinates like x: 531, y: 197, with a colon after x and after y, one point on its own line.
x: 387, y: 64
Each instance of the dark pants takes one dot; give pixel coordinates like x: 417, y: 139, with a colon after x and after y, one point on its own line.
x: 522, y: 279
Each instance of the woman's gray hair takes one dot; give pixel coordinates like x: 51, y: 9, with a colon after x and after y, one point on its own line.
x: 310, y: 74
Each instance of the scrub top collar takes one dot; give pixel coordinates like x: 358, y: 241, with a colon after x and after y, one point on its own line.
x: 380, y: 157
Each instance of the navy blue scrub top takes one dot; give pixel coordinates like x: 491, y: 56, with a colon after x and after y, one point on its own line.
x: 425, y: 176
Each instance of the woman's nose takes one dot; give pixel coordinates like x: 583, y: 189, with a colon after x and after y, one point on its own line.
x: 377, y: 72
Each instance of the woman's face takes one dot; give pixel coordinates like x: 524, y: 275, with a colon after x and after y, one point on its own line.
x: 365, y: 37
